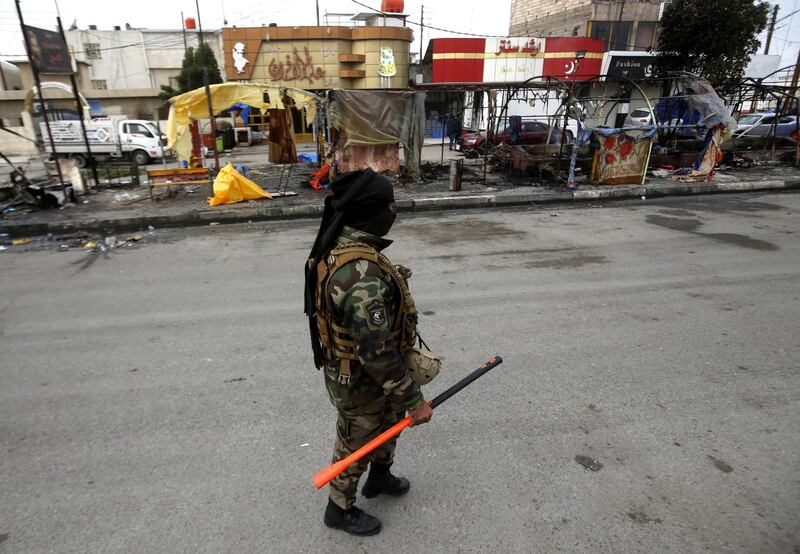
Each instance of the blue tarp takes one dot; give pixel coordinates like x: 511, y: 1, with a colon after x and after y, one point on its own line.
x: 307, y: 158
x: 245, y: 115
x: 677, y: 111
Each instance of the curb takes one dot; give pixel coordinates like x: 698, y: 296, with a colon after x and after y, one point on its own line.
x: 432, y: 204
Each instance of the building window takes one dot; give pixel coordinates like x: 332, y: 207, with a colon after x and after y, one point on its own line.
x: 645, y: 35
x: 173, y: 82
x: 615, y: 33
x: 92, y: 50
x: 99, y: 84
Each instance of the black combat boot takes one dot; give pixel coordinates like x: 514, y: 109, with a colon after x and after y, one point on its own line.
x: 381, y: 481
x: 353, y: 521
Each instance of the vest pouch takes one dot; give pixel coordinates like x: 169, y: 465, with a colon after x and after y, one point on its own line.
x: 422, y: 365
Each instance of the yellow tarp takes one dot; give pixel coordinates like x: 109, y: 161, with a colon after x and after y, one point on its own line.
x: 194, y: 105
x: 230, y: 187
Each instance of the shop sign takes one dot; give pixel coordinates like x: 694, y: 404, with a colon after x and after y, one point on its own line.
x: 386, y: 66
x: 296, y: 68
x: 630, y: 67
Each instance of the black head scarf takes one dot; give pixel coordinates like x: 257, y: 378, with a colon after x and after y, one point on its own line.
x: 357, y: 196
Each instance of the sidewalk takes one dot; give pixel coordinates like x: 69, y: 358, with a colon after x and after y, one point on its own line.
x: 129, y: 208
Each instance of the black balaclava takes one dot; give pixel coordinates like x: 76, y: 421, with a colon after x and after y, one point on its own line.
x: 360, y: 199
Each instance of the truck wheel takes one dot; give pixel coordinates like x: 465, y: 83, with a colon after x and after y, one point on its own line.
x: 140, y: 157
x: 80, y: 160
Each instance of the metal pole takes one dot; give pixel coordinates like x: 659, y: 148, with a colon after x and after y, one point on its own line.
x: 38, y: 82
x: 563, y: 131
x: 199, y: 22
x: 797, y: 132
x: 208, y: 91
x: 89, y: 158
x: 421, y: 30
x: 317, y: 13
x: 183, y: 30
x: 444, y: 129
x: 160, y: 142
x: 212, y: 118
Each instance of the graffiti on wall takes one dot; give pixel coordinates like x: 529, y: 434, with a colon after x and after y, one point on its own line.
x: 296, y: 68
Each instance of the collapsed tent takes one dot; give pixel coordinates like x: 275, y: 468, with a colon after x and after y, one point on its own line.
x: 697, y: 104
x: 371, y: 125
x: 194, y: 105
x: 231, y: 187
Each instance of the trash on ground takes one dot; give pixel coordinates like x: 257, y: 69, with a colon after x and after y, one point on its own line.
x: 720, y: 465
x: 20, y: 242
x: 91, y: 245
x: 126, y: 196
x: 304, y: 445
x: 320, y: 178
x: 640, y: 517
x: 588, y: 462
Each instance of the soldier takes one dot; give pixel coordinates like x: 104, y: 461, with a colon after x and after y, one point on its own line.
x: 361, y: 318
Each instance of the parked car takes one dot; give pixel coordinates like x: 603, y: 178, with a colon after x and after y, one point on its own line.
x: 532, y: 132
x: 761, y: 124
x: 638, y: 118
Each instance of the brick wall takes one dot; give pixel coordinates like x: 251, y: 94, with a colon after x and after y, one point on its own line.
x: 550, y: 17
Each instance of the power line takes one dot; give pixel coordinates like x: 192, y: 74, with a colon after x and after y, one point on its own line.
x: 787, y: 15
x: 441, y: 29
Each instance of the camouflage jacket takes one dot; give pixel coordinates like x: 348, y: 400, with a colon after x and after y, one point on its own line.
x: 365, y: 301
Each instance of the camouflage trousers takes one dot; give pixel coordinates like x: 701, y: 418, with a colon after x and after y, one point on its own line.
x: 354, y: 428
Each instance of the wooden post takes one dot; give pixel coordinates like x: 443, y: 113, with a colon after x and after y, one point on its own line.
x: 771, y: 28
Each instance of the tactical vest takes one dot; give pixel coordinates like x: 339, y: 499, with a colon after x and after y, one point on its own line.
x: 337, y: 344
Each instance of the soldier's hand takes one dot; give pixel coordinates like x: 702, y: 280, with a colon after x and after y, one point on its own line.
x: 421, y: 415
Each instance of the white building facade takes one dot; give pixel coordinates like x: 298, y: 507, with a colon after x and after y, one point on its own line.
x: 127, y: 58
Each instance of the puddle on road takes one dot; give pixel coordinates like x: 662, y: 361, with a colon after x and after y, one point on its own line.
x: 567, y: 263
x: 470, y: 230
x: 691, y: 226
x: 720, y: 205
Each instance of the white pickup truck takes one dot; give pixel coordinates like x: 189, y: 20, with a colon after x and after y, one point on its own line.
x: 116, y: 137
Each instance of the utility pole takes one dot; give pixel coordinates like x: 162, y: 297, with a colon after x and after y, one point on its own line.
x: 771, y: 27
x: 183, y: 30
x: 317, y: 13
x: 211, y: 117
x: 199, y: 22
x: 35, y: 71
x: 421, y: 27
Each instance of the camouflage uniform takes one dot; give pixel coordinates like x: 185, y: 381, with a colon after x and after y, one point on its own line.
x: 365, y: 300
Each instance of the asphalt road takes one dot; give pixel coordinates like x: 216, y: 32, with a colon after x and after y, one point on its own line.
x: 163, y: 399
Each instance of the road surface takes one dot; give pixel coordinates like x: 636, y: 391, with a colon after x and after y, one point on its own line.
x: 162, y: 398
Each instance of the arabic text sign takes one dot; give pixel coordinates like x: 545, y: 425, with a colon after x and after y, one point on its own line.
x: 512, y: 59
x: 48, y: 51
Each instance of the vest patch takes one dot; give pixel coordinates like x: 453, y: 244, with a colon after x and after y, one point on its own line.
x: 377, y: 314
